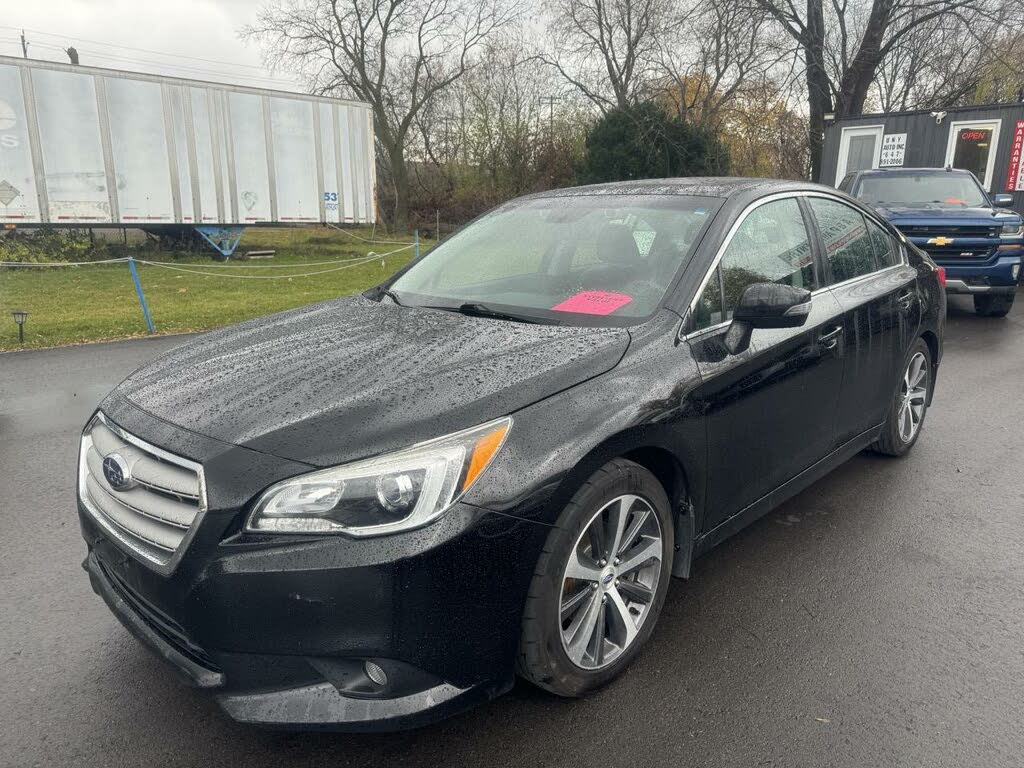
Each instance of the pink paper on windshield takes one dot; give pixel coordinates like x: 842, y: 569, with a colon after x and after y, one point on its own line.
x: 593, y: 303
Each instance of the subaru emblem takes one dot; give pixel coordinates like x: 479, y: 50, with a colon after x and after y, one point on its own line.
x: 117, y: 472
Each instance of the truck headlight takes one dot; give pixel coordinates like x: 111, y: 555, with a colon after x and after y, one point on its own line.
x: 387, y: 494
x: 1012, y: 230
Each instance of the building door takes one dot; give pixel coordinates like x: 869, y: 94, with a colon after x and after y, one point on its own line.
x: 972, y: 146
x: 858, y: 149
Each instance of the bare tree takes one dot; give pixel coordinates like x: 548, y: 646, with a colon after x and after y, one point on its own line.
x: 504, y: 129
x: 949, y: 61
x: 722, y: 50
x: 845, y: 42
x: 396, y: 55
x: 608, y: 49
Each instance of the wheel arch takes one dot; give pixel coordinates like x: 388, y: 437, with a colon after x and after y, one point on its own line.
x: 656, y: 453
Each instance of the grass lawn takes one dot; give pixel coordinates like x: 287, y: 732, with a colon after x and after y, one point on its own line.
x: 70, y: 305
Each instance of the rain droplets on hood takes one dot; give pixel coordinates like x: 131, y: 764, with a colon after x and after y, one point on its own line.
x: 363, y: 369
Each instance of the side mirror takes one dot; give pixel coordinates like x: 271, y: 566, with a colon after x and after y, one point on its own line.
x: 766, y: 305
x: 1002, y: 201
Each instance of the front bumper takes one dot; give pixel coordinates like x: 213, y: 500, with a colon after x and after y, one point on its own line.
x: 280, y: 631
x: 994, y: 277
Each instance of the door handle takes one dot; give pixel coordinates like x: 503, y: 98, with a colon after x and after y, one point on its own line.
x: 905, y: 300
x: 830, y: 339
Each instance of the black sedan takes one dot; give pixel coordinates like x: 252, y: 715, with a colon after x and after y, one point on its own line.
x: 373, y: 512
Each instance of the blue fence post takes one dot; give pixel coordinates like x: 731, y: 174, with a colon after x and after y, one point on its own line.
x: 416, y: 244
x: 138, y: 290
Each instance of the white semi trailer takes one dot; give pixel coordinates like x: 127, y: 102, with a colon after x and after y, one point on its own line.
x: 84, y: 146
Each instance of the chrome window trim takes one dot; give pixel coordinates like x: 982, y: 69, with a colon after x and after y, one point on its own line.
x: 163, y: 567
x: 858, y: 279
x: 707, y: 331
x: 769, y: 199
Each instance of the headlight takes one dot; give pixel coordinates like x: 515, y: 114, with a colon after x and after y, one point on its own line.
x: 387, y: 494
x: 1012, y: 230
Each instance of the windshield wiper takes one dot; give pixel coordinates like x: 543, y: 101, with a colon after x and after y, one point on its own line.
x: 482, y: 310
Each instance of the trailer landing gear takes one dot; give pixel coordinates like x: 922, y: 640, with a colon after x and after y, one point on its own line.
x: 224, y: 240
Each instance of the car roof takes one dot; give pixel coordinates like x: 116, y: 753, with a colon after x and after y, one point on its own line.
x: 701, y: 186
x: 909, y: 171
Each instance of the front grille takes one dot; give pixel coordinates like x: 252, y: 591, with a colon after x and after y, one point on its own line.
x: 167, y: 628
x: 938, y: 230
x: 957, y: 253
x: 154, y: 512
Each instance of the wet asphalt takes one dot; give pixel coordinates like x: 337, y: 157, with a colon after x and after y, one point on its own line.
x: 877, y: 619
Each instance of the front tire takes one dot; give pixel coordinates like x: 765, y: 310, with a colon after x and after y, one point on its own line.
x: 910, y: 403
x: 600, y: 582
x: 993, y: 305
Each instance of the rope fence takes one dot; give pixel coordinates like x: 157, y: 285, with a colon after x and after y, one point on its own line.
x: 203, y: 269
x: 365, y: 240
x: 348, y: 265
x: 62, y: 263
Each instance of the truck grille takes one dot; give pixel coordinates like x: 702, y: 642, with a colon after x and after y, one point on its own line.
x: 154, y: 508
x: 939, y: 230
x: 958, y: 253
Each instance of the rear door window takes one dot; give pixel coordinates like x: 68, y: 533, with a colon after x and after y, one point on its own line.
x: 846, y: 243
x: 886, y: 251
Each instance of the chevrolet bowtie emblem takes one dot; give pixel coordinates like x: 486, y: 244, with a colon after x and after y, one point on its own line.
x: 941, y: 241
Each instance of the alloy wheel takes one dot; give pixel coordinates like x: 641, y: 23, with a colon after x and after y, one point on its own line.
x: 610, y: 582
x: 913, y: 398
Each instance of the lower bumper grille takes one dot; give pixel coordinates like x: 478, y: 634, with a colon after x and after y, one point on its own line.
x: 166, y: 627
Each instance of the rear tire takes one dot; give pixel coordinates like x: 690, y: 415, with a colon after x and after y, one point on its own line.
x: 993, y: 305
x: 909, y: 404
x: 585, y: 588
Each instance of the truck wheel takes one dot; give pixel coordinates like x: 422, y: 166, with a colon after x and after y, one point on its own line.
x: 600, y: 582
x: 909, y: 404
x: 993, y: 305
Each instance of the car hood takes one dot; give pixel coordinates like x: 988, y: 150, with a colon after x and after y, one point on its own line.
x: 936, y: 215
x: 351, y: 378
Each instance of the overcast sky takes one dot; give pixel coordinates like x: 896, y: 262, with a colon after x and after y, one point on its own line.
x: 166, y: 37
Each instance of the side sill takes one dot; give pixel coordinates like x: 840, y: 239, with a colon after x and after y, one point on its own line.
x: 786, y: 491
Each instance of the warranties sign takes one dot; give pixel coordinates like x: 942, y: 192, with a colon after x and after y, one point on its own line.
x: 1015, y: 175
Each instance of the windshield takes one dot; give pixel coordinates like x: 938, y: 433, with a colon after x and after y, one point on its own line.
x: 579, y: 260
x: 926, y: 190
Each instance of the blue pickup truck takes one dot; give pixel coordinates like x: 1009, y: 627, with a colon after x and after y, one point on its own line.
x: 947, y: 213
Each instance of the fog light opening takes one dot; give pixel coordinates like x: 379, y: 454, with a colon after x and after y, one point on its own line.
x: 1016, y: 271
x: 375, y: 673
